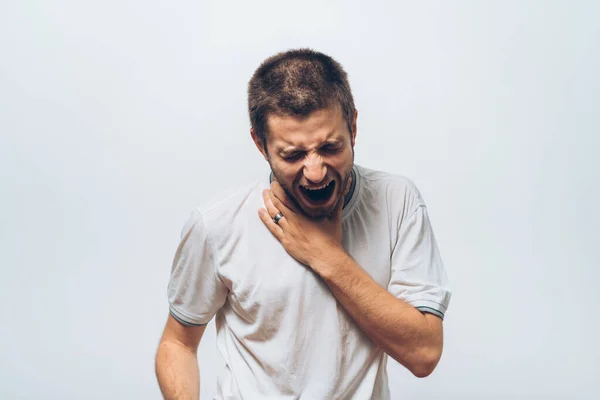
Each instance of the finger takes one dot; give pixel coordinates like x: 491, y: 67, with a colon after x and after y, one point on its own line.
x: 279, y: 207
x: 273, y: 210
x: 283, y: 197
x: 269, y: 205
x: 270, y: 224
x: 275, y: 200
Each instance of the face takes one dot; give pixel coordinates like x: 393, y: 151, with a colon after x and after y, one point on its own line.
x: 311, y: 158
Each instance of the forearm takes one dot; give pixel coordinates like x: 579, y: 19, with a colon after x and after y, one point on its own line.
x: 177, y: 372
x: 396, y: 327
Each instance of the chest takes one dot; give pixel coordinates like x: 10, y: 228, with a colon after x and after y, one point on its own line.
x: 266, y: 283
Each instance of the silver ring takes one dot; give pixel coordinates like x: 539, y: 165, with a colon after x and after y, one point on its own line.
x: 277, y: 218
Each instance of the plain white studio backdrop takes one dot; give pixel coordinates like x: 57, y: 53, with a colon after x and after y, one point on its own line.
x: 118, y: 117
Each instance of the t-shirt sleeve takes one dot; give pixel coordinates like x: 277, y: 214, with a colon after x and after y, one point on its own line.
x: 195, y: 290
x: 418, y: 276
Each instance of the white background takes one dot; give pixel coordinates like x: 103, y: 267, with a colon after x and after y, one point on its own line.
x: 118, y: 117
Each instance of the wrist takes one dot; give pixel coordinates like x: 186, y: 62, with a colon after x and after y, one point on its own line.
x: 330, y: 262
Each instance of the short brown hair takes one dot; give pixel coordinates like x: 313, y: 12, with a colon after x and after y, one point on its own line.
x: 296, y: 83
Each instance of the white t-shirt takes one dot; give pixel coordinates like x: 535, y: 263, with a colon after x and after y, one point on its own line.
x: 281, y: 332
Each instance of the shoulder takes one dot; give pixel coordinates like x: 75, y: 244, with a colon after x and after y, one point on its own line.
x: 228, y: 201
x: 229, y: 208
x: 397, y: 191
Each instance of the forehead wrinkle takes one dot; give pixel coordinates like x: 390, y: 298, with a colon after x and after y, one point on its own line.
x: 291, y: 133
x: 309, y: 160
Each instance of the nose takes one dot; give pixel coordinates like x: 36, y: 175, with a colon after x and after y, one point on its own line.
x: 314, y: 169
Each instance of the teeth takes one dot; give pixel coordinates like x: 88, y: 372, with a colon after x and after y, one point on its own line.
x: 317, y: 188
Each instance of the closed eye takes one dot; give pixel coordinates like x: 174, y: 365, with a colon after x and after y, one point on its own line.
x: 292, y: 156
x: 330, y: 149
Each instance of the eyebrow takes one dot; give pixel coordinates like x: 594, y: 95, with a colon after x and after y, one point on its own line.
x: 294, y: 149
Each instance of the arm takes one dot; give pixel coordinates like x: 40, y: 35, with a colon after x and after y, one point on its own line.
x: 387, y: 317
x: 176, y: 361
x: 412, y: 338
x: 195, y: 294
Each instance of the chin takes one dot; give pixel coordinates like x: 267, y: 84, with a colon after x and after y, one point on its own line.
x: 317, y: 214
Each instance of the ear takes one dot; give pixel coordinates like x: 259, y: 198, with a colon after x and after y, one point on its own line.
x: 259, y: 144
x: 354, y: 127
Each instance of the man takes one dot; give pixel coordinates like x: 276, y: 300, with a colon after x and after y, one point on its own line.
x: 315, y: 273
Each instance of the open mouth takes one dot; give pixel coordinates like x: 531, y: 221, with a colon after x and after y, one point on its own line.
x: 319, y: 195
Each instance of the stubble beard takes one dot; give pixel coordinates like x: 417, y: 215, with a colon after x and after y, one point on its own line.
x: 325, y: 214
